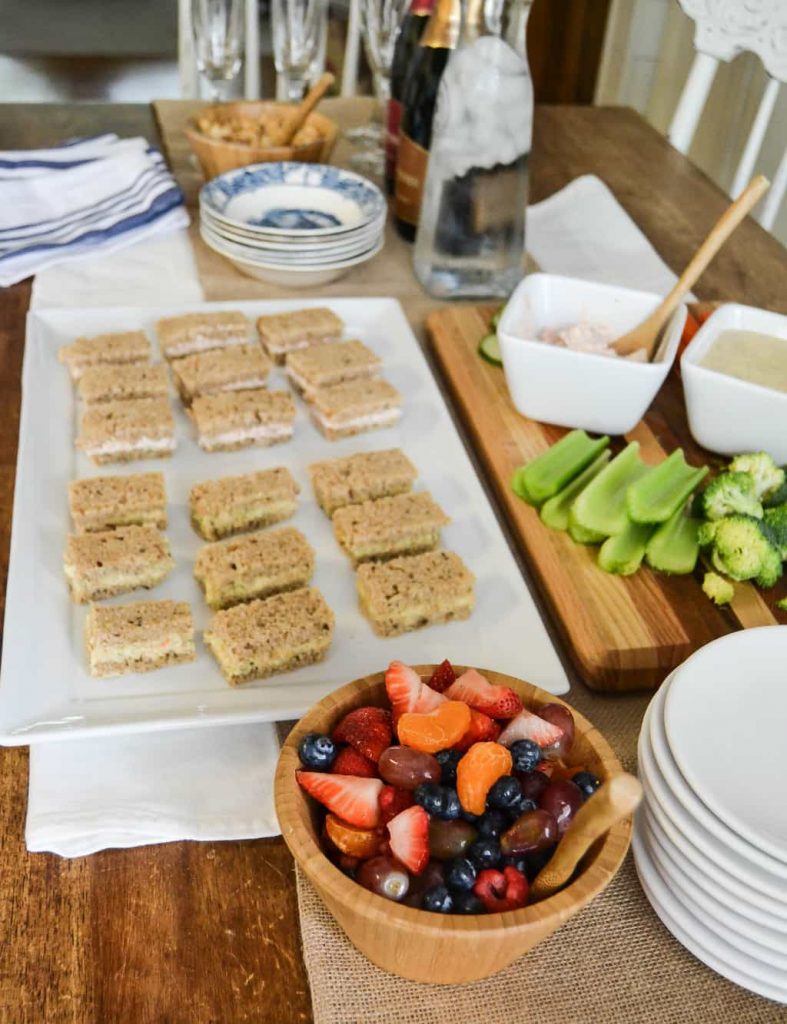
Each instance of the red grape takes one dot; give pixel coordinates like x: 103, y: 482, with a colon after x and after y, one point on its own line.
x: 407, y: 768
x: 449, y: 839
x: 562, y: 799
x: 385, y: 876
x: 533, y: 832
x: 533, y: 784
x: 559, y: 715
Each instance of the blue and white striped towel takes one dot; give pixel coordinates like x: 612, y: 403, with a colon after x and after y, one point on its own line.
x: 82, y: 198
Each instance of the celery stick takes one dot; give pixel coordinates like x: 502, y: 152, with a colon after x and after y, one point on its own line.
x: 579, y: 534
x: 601, y: 507
x: 549, y: 473
x: 663, y: 490
x: 554, y: 513
x: 623, y: 552
x: 674, y: 547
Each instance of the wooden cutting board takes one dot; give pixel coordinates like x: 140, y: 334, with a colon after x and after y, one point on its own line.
x: 624, y: 633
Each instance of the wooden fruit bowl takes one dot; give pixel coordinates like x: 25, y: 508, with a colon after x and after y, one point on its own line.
x: 416, y: 944
x: 216, y: 156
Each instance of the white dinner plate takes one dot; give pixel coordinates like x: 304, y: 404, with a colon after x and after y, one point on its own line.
x: 45, y: 690
x: 762, y: 944
x: 292, y: 242
x: 664, y: 805
x: 696, y: 937
x: 276, y: 258
x: 725, y: 717
x: 679, y: 788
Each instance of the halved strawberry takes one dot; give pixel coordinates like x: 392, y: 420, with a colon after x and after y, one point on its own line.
x: 367, y: 729
x: 476, y: 691
x: 527, y: 726
x: 482, y: 728
x: 393, y: 801
x: 442, y: 677
x: 352, y: 799
x: 349, y: 762
x: 409, y: 832
x: 407, y: 693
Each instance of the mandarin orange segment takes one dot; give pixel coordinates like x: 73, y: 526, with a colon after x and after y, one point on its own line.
x: 357, y: 842
x: 435, y: 730
x: 478, y: 771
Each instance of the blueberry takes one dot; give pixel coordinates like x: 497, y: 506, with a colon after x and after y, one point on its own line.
x: 431, y: 796
x: 317, y: 752
x: 460, y: 874
x: 505, y: 793
x: 491, y: 824
x: 485, y: 853
x: 517, y: 861
x: 522, y: 807
x: 448, y: 760
x: 468, y: 903
x: 469, y: 816
x: 587, y: 782
x: 525, y: 754
x: 438, y: 899
x: 453, y: 807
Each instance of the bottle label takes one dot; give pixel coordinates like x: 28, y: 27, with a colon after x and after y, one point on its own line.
x: 392, y: 137
x: 410, y: 177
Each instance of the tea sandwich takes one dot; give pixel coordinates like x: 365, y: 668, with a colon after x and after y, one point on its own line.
x: 361, y: 477
x: 321, y: 366
x: 140, y: 428
x: 104, y: 502
x: 347, y: 409
x: 120, y: 383
x: 100, y: 565
x: 254, y: 565
x: 239, y: 419
x: 414, y: 591
x: 224, y: 369
x: 138, y: 637
x: 121, y: 348
x: 387, y: 527
x: 234, y: 504
x: 196, y: 332
x: 276, y: 634
x: 283, y: 333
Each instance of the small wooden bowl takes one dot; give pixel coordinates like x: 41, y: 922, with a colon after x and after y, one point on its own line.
x: 415, y: 944
x: 216, y: 156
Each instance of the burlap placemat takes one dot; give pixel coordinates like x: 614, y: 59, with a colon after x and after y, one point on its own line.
x: 614, y: 963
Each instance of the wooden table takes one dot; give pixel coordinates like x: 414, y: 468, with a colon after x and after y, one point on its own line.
x: 208, y: 932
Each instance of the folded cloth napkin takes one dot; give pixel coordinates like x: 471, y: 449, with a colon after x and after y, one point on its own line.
x: 217, y: 783
x: 93, y: 196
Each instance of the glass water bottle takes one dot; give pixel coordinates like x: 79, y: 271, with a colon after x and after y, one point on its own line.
x: 471, y: 234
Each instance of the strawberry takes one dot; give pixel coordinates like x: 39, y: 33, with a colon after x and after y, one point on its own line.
x: 480, y: 694
x: 527, y: 726
x: 442, y: 677
x: 407, y: 693
x: 367, y: 729
x: 482, y: 728
x: 352, y: 799
x: 409, y: 832
x: 501, y: 890
x: 350, y: 762
x: 393, y: 801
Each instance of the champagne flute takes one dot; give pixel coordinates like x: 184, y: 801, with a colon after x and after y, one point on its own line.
x: 299, y: 29
x: 218, y: 41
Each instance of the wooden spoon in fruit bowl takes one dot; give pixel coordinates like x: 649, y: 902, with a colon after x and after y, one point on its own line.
x: 612, y: 802
x: 646, y: 335
x: 284, y: 133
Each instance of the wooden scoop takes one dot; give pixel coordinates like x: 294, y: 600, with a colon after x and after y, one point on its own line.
x: 284, y: 134
x: 646, y: 335
x: 611, y: 803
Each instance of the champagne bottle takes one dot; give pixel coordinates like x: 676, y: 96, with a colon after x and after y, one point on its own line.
x: 426, y: 69
x: 407, y: 42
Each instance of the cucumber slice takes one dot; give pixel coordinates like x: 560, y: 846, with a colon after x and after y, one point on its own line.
x: 489, y: 349
x: 496, y: 318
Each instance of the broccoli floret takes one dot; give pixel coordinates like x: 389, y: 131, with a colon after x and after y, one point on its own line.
x: 730, y: 494
x: 741, y: 549
x: 782, y: 605
x: 775, y: 520
x: 767, y: 476
x: 771, y: 568
x: 706, y: 533
x: 719, y: 590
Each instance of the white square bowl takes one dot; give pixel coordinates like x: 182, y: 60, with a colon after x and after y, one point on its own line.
x: 579, y: 389
x: 728, y: 415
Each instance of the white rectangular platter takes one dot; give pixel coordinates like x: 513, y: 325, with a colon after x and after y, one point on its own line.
x: 46, y: 692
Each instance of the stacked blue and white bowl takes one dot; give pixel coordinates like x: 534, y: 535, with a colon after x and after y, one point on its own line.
x: 710, y: 840
x: 293, y: 224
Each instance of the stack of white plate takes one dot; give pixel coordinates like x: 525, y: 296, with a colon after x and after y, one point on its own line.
x: 710, y: 840
x: 293, y: 224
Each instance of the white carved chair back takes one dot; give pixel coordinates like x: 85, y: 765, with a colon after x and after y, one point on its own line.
x: 725, y: 28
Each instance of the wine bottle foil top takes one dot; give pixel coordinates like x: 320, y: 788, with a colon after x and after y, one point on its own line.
x: 484, y: 113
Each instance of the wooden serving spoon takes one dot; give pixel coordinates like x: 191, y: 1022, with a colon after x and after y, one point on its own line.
x: 611, y: 803
x: 645, y: 335
x: 285, y: 134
